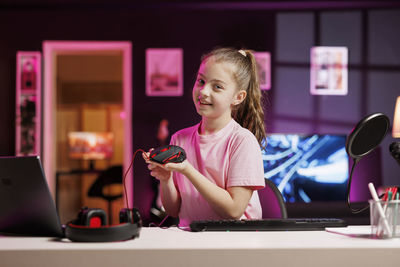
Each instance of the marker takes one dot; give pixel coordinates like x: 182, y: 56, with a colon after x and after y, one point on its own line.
x: 379, y: 207
x: 387, y: 200
x: 395, y: 214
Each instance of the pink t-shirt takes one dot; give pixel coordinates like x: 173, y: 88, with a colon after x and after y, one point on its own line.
x: 230, y: 157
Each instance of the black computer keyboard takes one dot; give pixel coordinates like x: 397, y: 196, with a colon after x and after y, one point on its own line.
x: 290, y: 224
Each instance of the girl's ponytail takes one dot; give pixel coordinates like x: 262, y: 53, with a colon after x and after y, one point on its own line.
x: 249, y: 113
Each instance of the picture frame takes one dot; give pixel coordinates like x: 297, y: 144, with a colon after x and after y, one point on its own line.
x: 263, y: 60
x: 164, y: 72
x: 328, y: 71
x: 28, y: 103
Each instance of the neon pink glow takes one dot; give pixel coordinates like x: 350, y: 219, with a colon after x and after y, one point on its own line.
x: 29, y: 68
x: 122, y: 115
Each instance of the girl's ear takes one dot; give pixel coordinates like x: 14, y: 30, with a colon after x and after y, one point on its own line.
x: 240, y: 96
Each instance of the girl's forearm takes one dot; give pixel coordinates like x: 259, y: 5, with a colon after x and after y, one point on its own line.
x: 170, y: 197
x: 219, y: 199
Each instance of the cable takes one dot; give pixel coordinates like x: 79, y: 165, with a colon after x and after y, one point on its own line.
x: 125, y: 191
x: 126, y: 173
x: 161, y: 223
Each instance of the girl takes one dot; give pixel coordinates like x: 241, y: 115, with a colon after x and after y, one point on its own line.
x: 224, y: 164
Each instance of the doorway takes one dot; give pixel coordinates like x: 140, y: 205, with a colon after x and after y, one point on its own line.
x: 87, y: 89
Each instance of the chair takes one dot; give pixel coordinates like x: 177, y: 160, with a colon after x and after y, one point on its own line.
x: 112, y: 175
x: 272, y: 202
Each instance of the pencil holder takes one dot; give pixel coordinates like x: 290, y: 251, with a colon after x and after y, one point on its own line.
x: 385, y: 218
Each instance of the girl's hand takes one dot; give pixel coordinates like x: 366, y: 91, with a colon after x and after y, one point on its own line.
x: 163, y: 172
x: 156, y: 170
x: 177, y: 167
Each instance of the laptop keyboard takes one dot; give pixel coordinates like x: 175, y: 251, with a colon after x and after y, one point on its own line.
x: 289, y: 224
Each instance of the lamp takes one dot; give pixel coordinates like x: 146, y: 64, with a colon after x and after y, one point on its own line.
x: 396, y: 120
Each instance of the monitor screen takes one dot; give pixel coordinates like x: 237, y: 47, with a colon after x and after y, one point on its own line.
x: 90, y: 145
x: 307, y: 168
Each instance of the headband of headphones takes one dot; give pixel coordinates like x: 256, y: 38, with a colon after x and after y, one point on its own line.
x: 91, y: 226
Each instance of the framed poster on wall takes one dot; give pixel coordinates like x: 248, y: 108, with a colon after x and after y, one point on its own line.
x: 263, y: 60
x: 164, y: 72
x: 28, y: 103
x: 328, y: 74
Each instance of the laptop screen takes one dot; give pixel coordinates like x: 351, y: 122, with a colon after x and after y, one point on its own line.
x: 307, y: 168
x: 26, y: 205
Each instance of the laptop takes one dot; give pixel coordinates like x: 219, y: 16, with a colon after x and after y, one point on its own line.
x: 26, y: 205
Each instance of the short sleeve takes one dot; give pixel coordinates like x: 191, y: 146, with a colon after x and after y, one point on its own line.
x: 246, y: 164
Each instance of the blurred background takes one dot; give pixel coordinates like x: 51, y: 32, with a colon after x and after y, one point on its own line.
x: 91, y: 86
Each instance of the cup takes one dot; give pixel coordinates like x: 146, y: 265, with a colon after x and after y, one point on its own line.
x: 387, y: 226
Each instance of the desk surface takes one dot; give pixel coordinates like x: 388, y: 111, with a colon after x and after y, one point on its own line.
x: 174, y: 247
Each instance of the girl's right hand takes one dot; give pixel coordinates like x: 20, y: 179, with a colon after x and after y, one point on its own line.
x: 157, y: 170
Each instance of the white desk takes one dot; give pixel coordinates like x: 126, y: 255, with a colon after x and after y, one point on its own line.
x: 174, y: 247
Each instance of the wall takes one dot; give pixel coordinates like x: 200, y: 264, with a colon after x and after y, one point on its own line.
x: 373, y: 75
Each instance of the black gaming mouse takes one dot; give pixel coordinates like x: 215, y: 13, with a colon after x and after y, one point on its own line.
x: 168, y: 153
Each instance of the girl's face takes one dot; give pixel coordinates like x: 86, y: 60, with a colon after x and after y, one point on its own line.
x: 215, y: 90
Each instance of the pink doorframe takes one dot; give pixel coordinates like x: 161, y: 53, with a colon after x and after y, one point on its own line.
x: 51, y: 49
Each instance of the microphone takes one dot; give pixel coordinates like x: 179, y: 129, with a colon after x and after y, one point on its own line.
x: 394, y: 149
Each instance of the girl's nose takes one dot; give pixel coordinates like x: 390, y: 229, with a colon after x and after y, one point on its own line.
x: 205, y: 90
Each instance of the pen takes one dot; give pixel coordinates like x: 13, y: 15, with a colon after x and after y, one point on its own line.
x: 379, y: 207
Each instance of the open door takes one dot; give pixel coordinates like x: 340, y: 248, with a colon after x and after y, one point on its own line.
x: 87, y: 88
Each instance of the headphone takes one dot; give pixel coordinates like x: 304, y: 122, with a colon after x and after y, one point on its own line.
x: 91, y: 226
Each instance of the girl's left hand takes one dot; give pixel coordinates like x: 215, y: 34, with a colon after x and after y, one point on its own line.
x: 178, y: 167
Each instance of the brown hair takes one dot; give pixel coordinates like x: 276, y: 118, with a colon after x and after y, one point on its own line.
x: 249, y: 113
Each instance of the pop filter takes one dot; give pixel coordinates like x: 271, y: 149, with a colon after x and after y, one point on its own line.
x: 363, y: 139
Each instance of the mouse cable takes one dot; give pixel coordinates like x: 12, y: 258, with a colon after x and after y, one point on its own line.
x: 126, y: 173
x: 160, y: 225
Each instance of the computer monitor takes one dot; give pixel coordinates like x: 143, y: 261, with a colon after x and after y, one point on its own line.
x: 307, y: 168
x: 90, y: 145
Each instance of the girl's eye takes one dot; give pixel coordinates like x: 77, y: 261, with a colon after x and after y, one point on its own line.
x: 200, y: 82
x: 218, y: 86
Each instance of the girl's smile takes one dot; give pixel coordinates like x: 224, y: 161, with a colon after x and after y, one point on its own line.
x: 203, y: 102
x: 215, y: 90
